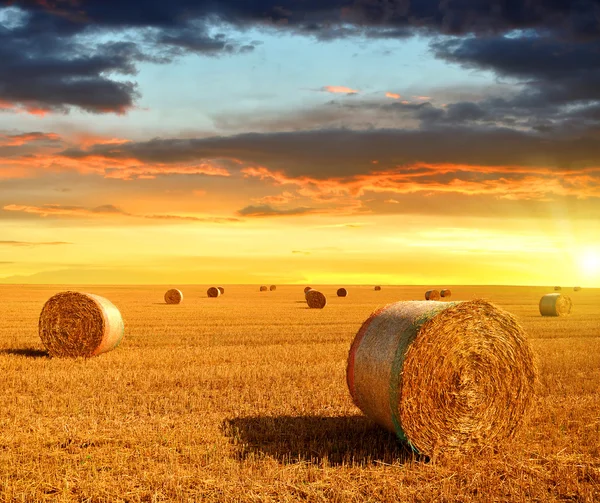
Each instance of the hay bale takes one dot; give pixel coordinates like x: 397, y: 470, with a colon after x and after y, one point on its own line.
x: 213, y: 292
x: 74, y: 324
x: 342, y: 292
x: 306, y: 289
x: 221, y: 290
x: 377, y: 288
x: 173, y: 296
x: 557, y: 288
x: 444, y: 376
x: 576, y: 288
x: 315, y: 299
x: 432, y: 295
x: 272, y: 288
x: 445, y: 293
x: 263, y: 288
x: 555, y: 304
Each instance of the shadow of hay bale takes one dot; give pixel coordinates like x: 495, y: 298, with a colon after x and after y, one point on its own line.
x: 27, y: 352
x: 339, y: 440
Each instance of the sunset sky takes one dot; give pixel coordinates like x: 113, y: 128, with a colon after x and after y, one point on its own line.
x: 316, y: 141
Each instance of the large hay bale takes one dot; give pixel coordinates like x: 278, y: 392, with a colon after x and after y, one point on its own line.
x: 555, y: 304
x: 306, y: 289
x: 272, y: 288
x: 221, y: 290
x: 432, y: 295
x: 444, y: 376
x: 557, y: 288
x: 213, y: 292
x: 377, y: 288
x: 342, y: 292
x: 173, y: 296
x: 315, y: 299
x: 445, y: 293
x: 76, y: 324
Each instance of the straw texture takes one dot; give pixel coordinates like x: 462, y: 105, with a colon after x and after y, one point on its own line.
x: 306, y: 289
x: 555, y: 304
x: 221, y: 290
x: 377, y: 288
x: 173, y: 296
x: 264, y: 288
x: 432, y: 295
x: 213, y: 292
x: 315, y: 299
x: 444, y: 376
x: 74, y: 324
x: 272, y: 288
x: 342, y: 292
x: 445, y: 293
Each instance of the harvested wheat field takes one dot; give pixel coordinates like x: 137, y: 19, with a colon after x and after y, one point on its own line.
x: 246, y: 400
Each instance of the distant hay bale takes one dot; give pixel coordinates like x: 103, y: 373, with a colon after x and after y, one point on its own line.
x: 306, y: 289
x: 342, y: 292
x: 555, y: 304
x: 558, y: 288
x: 272, y: 288
x: 213, y: 292
x: 377, y: 288
x: 576, y: 288
x: 444, y: 376
x: 263, y: 288
x: 74, y: 324
x: 173, y: 296
x: 445, y: 293
x: 221, y: 290
x: 432, y: 295
x: 315, y: 299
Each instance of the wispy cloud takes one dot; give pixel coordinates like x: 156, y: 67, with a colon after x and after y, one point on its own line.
x: 32, y: 243
x: 394, y: 96
x: 339, y: 90
x: 268, y: 211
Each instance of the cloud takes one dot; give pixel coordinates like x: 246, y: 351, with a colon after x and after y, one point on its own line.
x: 339, y: 90
x: 17, y: 140
x: 300, y: 252
x: 394, y: 96
x: 268, y: 211
x: 32, y: 243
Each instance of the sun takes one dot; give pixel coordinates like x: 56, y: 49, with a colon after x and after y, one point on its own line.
x: 590, y: 262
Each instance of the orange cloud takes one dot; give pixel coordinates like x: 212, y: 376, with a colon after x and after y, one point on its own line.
x: 283, y: 198
x: 422, y: 98
x: 339, y: 89
x: 394, y: 96
x: 18, y: 140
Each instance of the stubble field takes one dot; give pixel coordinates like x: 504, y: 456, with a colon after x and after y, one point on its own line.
x: 243, y: 398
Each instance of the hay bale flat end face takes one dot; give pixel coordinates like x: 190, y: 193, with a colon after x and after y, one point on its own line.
x: 272, y: 288
x: 173, y: 296
x: 74, y: 324
x: 342, y: 292
x: 264, y: 288
x: 315, y: 299
x: 445, y: 293
x: 408, y: 358
x: 432, y: 295
x: 555, y: 304
x: 213, y: 292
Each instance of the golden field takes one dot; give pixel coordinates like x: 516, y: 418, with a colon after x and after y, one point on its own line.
x: 243, y: 398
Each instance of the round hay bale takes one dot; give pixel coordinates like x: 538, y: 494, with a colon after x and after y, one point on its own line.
x: 315, y: 299
x: 555, y: 304
x: 557, y: 288
x: 377, y: 288
x: 432, y: 295
x: 342, y: 292
x: 221, y: 290
x: 173, y: 296
x: 451, y: 376
x: 264, y: 289
x: 213, y: 292
x: 306, y: 289
x: 272, y: 288
x: 445, y: 293
x: 576, y: 288
x: 74, y: 324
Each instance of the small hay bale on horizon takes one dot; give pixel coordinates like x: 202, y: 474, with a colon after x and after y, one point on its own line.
x: 432, y: 295
x: 272, y: 288
x: 555, y: 304
x: 445, y: 377
x: 263, y: 288
x: 306, y: 289
x: 445, y: 292
x: 74, y: 324
x: 557, y: 288
x: 315, y: 299
x: 221, y: 289
x: 173, y: 296
x: 576, y: 288
x: 342, y: 292
x: 377, y: 288
x: 213, y: 292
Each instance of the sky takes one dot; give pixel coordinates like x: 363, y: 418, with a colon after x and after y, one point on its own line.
x: 316, y: 141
